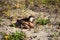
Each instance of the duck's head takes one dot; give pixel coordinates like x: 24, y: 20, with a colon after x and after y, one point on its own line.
x: 31, y: 18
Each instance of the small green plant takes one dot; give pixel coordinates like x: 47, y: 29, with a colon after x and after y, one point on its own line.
x: 42, y: 21
x: 49, y: 1
x: 13, y: 25
x: 16, y: 36
x: 44, y: 1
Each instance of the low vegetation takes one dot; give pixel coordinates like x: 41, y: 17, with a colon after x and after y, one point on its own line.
x: 15, y: 36
x: 42, y: 21
x: 13, y: 25
x: 10, y: 5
